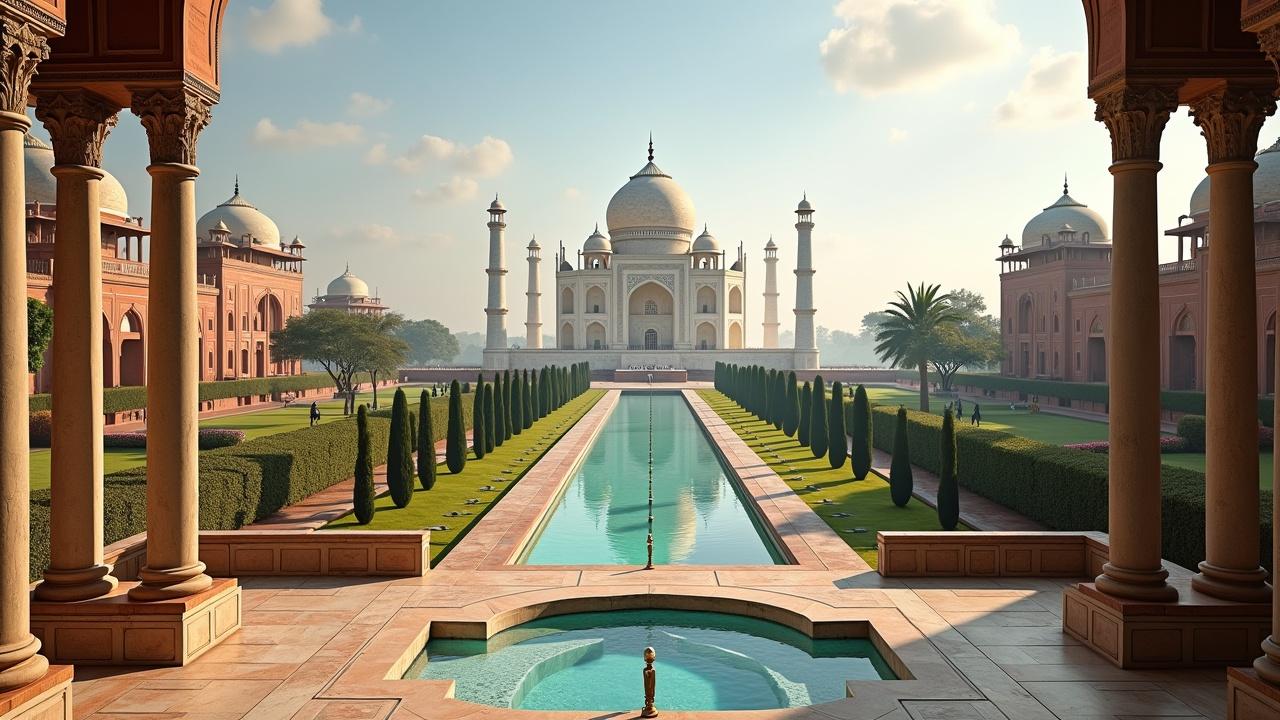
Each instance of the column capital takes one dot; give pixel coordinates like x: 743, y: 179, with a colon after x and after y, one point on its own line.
x: 1135, y: 115
x: 173, y: 119
x: 1269, y: 42
x: 22, y: 47
x: 1230, y: 118
x: 78, y: 123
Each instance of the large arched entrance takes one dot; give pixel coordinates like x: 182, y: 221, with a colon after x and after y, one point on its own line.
x: 108, y: 354
x: 132, y: 351
x: 1097, y: 352
x: 1182, y: 353
x: 650, y: 316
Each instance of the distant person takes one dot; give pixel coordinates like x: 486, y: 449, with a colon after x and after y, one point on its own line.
x: 959, y: 408
x: 315, y: 413
x: 976, y: 418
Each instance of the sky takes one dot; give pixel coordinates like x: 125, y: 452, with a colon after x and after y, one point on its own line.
x: 922, y: 131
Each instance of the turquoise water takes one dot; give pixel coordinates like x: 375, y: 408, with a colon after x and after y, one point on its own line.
x: 698, y: 516
x: 706, y: 661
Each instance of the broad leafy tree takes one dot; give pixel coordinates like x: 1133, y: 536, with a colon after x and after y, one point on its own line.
x: 344, y: 344
x: 39, y: 333
x: 910, y: 333
x: 428, y: 342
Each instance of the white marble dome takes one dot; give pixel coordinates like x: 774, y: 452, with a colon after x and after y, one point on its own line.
x: 241, y: 218
x: 1266, y: 182
x: 706, y: 243
x: 347, y: 285
x: 597, y: 243
x: 42, y: 187
x: 651, y: 214
x: 1066, y: 211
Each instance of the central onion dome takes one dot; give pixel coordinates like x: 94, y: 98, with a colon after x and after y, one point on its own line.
x: 42, y: 187
x: 651, y: 214
x: 347, y: 285
x: 241, y: 218
x: 1266, y: 182
x: 1067, y: 211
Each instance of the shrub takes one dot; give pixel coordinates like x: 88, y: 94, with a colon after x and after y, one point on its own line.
x: 818, y: 419
x: 1192, y: 428
x: 901, y: 480
x: 837, y: 439
x: 806, y: 401
x: 214, y: 438
x: 363, y: 496
x: 455, y: 454
x: 40, y: 428
x: 399, y: 460
x: 478, y: 442
x: 948, y: 488
x: 426, y: 443
x: 860, y: 429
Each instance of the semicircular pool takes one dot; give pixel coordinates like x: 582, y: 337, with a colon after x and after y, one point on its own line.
x: 706, y: 661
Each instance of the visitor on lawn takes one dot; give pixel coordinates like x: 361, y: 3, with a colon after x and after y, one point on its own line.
x: 315, y: 413
x: 976, y: 418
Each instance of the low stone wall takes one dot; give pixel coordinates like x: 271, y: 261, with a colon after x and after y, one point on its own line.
x: 658, y: 376
x: 991, y: 554
x: 240, y: 553
x: 438, y: 375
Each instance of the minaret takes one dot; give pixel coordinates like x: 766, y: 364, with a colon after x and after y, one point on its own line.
x: 533, y: 322
x: 805, y: 339
x: 771, y: 294
x: 496, y: 335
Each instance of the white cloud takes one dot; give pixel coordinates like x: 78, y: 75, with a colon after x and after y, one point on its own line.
x: 893, y: 45
x: 455, y: 189
x: 486, y: 158
x: 376, y: 155
x: 288, y: 23
x: 1053, y: 91
x: 356, y: 24
x: 897, y: 135
x: 365, y: 105
x: 306, y: 133
x: 572, y: 193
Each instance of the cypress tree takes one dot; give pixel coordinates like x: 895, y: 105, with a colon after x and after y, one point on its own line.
x: 806, y: 399
x: 860, y: 457
x: 553, y: 392
x: 901, y: 482
x: 791, y: 419
x: 413, y: 431
x: 478, y: 440
x: 535, y: 395
x: 517, y: 405
x: 455, y: 446
x: 492, y: 438
x: 837, y: 439
x: 780, y: 400
x: 948, y: 489
x: 508, y: 417
x: 363, y: 495
x: 818, y: 419
x: 497, y: 437
x: 399, y: 459
x: 426, y: 444
x: 767, y: 397
x: 526, y: 412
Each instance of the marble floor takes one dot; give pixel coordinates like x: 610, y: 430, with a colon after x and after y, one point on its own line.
x: 335, y: 647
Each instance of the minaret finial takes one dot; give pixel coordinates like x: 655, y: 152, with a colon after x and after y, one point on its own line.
x: 1064, y: 184
x: 597, y: 226
x: 651, y: 147
x: 237, y: 192
x: 347, y: 271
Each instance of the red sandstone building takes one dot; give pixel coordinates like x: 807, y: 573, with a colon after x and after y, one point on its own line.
x: 249, y: 283
x: 1055, y: 290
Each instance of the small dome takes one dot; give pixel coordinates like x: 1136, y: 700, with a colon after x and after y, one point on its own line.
x: 771, y: 245
x: 1266, y: 182
x: 804, y: 204
x: 597, y: 243
x: 565, y: 266
x: 1068, y: 212
x: 533, y: 244
x: 706, y: 242
x: 241, y: 218
x: 296, y: 243
x: 496, y: 205
x: 42, y: 187
x: 222, y: 227
x: 1007, y: 242
x: 736, y: 266
x: 348, y: 285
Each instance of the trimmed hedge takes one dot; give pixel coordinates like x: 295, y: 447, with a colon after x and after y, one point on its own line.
x: 1062, y: 488
x: 1183, y: 401
x: 238, y: 485
x: 134, y: 397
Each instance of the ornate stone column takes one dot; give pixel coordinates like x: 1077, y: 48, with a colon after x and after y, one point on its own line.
x: 21, y: 50
x: 78, y: 123
x: 173, y: 118
x: 1135, y: 117
x: 1230, y: 119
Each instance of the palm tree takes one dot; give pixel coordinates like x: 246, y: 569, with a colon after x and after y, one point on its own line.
x: 909, y: 331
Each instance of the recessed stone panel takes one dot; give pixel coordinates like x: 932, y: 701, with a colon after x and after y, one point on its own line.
x: 300, y: 560
x: 395, y: 560
x: 348, y: 559
x: 1220, y: 644
x: 1155, y: 645
x: 1104, y: 633
x: 216, y: 559
x: 226, y: 616
x: 902, y: 562
x: 253, y: 560
x: 982, y: 561
x: 158, y: 645
x: 80, y: 644
x: 1063, y: 563
x: 1076, y: 616
x: 942, y: 560
x: 1017, y: 560
x: 199, y: 631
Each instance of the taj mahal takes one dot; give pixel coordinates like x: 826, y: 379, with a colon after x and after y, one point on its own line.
x: 650, y: 293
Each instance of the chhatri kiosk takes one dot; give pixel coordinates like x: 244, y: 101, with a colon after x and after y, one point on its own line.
x: 649, y: 295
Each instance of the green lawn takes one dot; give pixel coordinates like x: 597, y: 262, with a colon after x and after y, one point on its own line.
x: 1195, y: 461
x: 254, y: 424
x: 502, y: 469
x: 866, y: 501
